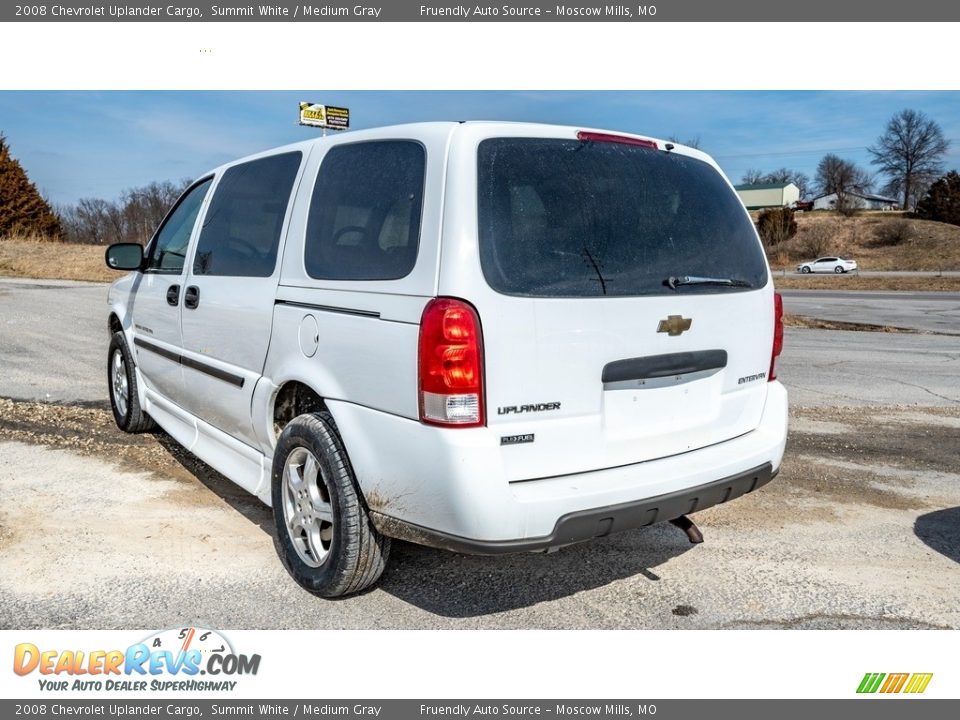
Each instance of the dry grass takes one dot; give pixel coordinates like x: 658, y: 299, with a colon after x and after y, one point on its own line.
x: 54, y: 261
x: 876, y: 240
x: 802, y: 321
x: 853, y: 282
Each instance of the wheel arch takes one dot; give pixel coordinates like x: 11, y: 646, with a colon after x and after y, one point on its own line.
x: 293, y: 398
x: 113, y: 323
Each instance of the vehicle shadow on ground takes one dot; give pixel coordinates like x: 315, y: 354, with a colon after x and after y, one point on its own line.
x: 231, y: 493
x: 940, y: 530
x: 464, y: 586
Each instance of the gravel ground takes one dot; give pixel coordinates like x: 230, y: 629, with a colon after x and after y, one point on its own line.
x: 860, y: 530
x: 99, y: 529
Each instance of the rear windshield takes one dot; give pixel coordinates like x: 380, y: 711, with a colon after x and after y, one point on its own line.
x: 565, y: 218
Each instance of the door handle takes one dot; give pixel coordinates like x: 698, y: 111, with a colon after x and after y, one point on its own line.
x: 191, y: 297
x: 173, y: 295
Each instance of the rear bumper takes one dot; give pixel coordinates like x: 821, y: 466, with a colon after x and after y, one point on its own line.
x: 449, y: 488
x: 589, y: 524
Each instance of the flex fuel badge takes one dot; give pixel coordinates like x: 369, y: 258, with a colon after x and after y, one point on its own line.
x: 167, y: 660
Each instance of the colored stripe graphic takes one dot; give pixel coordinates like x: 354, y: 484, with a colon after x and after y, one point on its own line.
x: 870, y: 682
x: 918, y: 683
x: 894, y: 683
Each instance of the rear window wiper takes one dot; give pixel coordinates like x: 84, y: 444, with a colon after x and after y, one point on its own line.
x: 675, y: 281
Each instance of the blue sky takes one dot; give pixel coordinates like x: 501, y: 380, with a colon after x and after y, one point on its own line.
x: 96, y: 144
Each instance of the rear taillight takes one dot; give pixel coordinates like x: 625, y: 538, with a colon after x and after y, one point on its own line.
x: 777, y: 335
x: 451, y: 364
x: 585, y: 136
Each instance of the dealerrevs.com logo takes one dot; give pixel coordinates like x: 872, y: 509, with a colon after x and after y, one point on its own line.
x: 166, y: 660
x: 893, y: 683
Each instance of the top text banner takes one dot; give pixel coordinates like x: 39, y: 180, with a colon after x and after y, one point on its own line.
x: 528, y: 11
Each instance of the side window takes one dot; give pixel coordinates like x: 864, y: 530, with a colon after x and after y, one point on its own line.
x: 169, y: 247
x: 241, y: 230
x: 364, y: 221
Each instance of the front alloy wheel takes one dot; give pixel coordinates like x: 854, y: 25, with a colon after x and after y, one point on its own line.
x: 122, y: 385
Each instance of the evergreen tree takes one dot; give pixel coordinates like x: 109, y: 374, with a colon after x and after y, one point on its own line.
x: 23, y: 211
x: 942, y: 201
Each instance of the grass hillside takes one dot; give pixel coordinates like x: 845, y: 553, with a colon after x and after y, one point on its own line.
x: 34, y: 258
x: 876, y: 240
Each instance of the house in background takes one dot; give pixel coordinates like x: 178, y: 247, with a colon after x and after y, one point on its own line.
x: 768, y: 195
x: 864, y: 201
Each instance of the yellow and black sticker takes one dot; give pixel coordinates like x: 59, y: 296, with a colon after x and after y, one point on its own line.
x: 325, y: 116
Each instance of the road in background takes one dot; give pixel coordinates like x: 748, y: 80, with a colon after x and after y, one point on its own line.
x: 927, y: 311
x: 782, y: 272
x: 835, y: 368
x: 53, y: 342
x: 861, y: 529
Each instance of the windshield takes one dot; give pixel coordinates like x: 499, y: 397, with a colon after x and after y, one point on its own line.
x: 565, y: 218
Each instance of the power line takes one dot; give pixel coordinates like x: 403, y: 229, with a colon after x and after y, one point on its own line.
x: 804, y: 152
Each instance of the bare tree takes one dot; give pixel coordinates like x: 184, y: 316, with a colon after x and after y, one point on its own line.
x: 91, y: 218
x: 786, y: 175
x: 844, y: 178
x: 910, y: 153
x: 776, y: 226
x: 817, y: 238
x: 780, y: 175
x: 693, y: 142
x: 752, y: 177
x: 133, y: 217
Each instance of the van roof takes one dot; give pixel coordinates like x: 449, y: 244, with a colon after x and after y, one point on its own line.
x: 449, y: 126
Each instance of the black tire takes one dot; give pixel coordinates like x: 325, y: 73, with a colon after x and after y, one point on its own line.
x: 805, y: 270
x: 838, y: 270
x: 357, y: 553
x: 132, y: 418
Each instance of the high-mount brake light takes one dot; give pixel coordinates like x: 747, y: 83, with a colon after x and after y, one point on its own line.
x: 451, y: 364
x: 777, y: 335
x: 585, y: 136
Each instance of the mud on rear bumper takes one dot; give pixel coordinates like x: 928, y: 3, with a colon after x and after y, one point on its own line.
x: 589, y: 524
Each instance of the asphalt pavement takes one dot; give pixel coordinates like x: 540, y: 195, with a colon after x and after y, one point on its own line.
x: 937, y: 312
x: 53, y: 341
x: 861, y: 529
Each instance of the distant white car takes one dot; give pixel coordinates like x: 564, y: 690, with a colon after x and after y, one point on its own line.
x: 836, y: 265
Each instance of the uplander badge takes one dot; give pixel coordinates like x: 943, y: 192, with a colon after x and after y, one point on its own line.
x: 515, y: 410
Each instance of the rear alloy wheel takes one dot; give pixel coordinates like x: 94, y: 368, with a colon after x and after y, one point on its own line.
x: 838, y: 270
x: 805, y: 269
x: 323, y: 535
x: 122, y: 382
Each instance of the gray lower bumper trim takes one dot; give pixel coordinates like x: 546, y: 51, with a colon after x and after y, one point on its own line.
x: 588, y: 524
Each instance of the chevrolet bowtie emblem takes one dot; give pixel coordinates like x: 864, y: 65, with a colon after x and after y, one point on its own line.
x: 674, y: 325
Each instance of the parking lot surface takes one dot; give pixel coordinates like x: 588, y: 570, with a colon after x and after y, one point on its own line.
x: 860, y: 530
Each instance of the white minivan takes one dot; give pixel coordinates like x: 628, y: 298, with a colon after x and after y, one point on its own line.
x: 484, y: 337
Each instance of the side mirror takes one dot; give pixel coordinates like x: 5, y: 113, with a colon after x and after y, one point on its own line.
x: 124, y: 256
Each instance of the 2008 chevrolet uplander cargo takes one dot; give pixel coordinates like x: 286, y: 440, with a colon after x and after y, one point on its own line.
x: 485, y: 337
